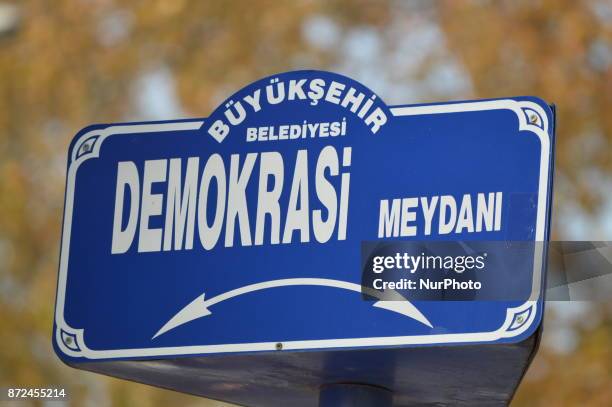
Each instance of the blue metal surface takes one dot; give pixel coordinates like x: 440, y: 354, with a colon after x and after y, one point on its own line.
x: 112, y: 305
x: 451, y: 375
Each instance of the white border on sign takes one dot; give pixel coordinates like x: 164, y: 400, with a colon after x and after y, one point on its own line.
x: 531, y: 118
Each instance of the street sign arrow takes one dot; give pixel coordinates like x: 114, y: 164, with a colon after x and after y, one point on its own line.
x: 200, y: 307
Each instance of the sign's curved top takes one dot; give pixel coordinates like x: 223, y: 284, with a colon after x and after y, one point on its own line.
x: 297, y: 91
x: 291, y: 216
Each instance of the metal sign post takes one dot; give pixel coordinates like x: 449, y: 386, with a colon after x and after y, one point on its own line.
x: 354, y: 395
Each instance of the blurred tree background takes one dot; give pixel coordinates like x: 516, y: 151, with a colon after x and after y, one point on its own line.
x: 68, y: 63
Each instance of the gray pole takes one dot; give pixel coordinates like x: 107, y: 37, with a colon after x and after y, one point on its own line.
x: 354, y: 395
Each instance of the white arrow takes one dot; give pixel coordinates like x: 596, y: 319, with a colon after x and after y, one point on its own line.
x: 199, y: 307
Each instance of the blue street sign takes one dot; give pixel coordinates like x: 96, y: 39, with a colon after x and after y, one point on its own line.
x: 245, y: 231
